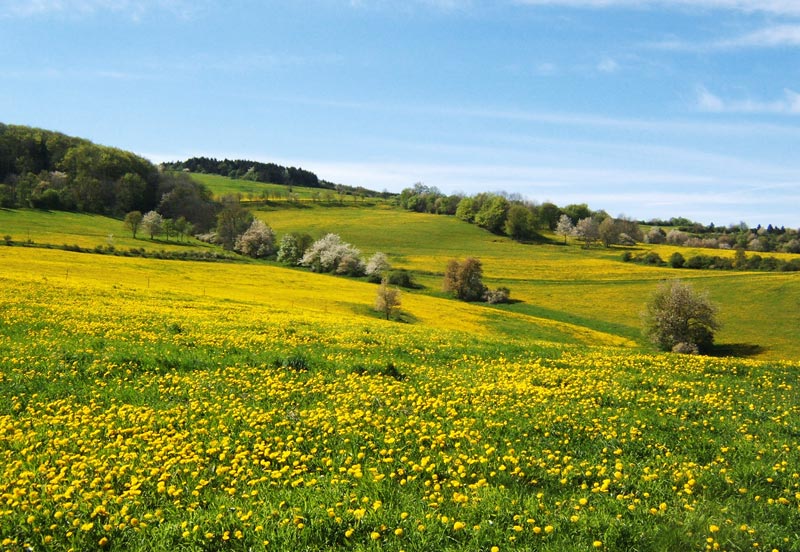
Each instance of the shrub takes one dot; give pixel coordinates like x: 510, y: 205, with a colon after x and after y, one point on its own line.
x: 677, y: 260
x: 8, y: 240
x: 402, y: 277
x: 328, y: 252
x: 677, y: 315
x: 497, y: 296
x: 652, y: 258
x: 378, y: 265
x: 465, y: 279
x: 257, y: 241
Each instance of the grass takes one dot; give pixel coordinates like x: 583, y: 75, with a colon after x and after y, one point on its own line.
x: 84, y: 230
x: 590, y: 288
x: 276, y: 193
x: 162, y: 405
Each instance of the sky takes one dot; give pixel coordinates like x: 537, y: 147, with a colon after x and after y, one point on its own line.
x: 643, y: 108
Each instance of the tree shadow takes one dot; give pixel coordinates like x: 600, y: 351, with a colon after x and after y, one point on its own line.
x: 741, y: 350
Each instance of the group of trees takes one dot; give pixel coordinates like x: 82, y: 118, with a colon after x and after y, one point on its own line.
x: 464, y: 279
x: 511, y: 215
x: 759, y: 239
x: 269, y: 173
x: 249, y: 170
x: 49, y: 170
x: 740, y: 261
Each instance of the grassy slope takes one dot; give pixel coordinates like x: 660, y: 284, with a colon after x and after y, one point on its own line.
x: 759, y: 311
x: 163, y: 405
x: 565, y: 293
x: 85, y: 230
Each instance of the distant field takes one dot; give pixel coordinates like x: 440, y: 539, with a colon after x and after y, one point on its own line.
x: 276, y: 193
x: 85, y: 230
x: 567, y: 294
x: 591, y: 288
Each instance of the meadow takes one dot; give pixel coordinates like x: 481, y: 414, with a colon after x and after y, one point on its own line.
x: 165, y: 405
x: 567, y: 284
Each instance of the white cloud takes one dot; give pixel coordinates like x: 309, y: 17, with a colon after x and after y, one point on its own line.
x: 607, y: 65
x: 134, y: 9
x: 777, y: 36
x: 788, y: 105
x: 777, y: 7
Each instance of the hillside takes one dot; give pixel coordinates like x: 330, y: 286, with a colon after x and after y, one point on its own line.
x: 161, y: 405
x: 590, y: 288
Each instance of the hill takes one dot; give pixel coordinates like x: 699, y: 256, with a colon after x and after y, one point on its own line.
x: 590, y: 288
x: 161, y: 405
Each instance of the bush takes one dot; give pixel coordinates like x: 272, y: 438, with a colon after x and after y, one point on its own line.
x: 378, y: 265
x: 402, y: 277
x: 328, y: 252
x: 465, y: 279
x: 652, y: 258
x: 677, y: 260
x: 497, y: 296
x: 677, y: 316
x: 258, y: 241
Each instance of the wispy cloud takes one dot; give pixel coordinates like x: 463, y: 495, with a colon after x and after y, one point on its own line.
x: 788, y: 105
x: 777, y: 7
x: 135, y: 9
x: 777, y: 36
x: 607, y: 65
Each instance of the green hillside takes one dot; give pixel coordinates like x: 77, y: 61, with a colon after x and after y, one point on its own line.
x: 591, y: 288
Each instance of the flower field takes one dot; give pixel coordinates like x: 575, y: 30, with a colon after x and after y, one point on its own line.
x: 139, y: 413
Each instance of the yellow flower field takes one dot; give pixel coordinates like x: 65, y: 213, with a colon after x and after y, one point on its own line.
x: 163, y: 405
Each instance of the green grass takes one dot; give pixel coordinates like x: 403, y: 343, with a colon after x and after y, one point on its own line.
x: 276, y: 193
x: 593, y: 288
x: 586, y: 288
x: 134, y: 418
x: 85, y: 230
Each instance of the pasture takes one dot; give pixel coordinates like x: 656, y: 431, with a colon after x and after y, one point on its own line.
x: 162, y: 405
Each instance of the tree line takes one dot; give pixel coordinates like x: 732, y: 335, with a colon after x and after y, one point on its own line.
x: 49, y: 170
x: 267, y: 173
x: 521, y: 220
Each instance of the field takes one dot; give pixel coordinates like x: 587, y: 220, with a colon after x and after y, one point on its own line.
x: 593, y: 289
x: 150, y: 404
x: 163, y: 405
x: 276, y: 193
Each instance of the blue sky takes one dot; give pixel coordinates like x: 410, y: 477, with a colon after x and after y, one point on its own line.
x: 647, y: 108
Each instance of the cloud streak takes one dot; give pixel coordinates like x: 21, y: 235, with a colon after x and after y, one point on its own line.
x: 778, y: 36
x: 135, y: 9
x: 775, y: 7
x: 709, y: 102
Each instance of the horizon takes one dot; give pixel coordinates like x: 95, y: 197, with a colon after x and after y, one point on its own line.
x: 644, y: 108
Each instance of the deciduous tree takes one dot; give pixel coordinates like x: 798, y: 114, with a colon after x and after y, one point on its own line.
x: 680, y: 319
x: 133, y: 221
x: 387, y: 300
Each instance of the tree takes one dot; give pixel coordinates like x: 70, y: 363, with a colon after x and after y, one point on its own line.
x: 655, y: 235
x: 492, y: 214
x: 329, y: 252
x: 565, y: 227
x: 232, y: 221
x: 609, y: 232
x: 387, y: 299
x: 588, y: 231
x: 133, y: 221
x: 292, y: 247
x: 465, y: 279
x: 378, y: 265
x: 257, y: 241
x: 679, y: 319
x: 520, y: 223
x: 152, y: 223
